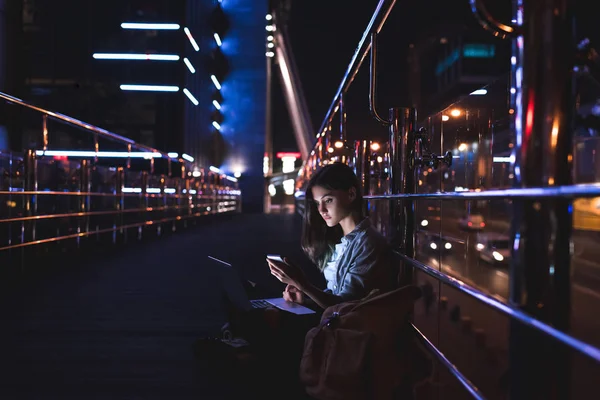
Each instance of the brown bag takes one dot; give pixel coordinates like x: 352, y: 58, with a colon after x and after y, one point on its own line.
x: 360, y: 350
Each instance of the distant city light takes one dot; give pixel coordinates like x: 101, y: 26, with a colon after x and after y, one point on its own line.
x: 189, y: 65
x: 479, y: 92
x: 191, y: 38
x: 268, y: 17
x: 187, y: 157
x: 138, y: 25
x: 216, y: 82
x: 130, y: 56
x: 151, y: 88
x: 190, y: 96
x: 218, y: 39
x: 216, y: 104
x: 269, y: 54
x: 173, y: 155
x: 270, y: 38
x: 216, y: 125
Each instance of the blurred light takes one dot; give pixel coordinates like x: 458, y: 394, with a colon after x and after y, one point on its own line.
x: 191, y: 38
x: 424, y: 222
x: 189, y: 65
x: 133, y: 56
x: 479, y: 92
x: 105, y: 154
x: 216, y: 125
x: 173, y: 155
x: 196, y: 173
x: 379, y: 159
x: 218, y: 39
x: 237, y: 174
x: 330, y: 149
x: 462, y: 147
x: 503, y: 159
x: 448, y: 246
x: 445, y: 118
x: 270, y: 38
x: 480, y: 246
x: 433, y: 245
x: 288, y: 187
x: 190, y: 96
x: 455, y: 113
x: 272, y: 190
x: 215, y: 169
x: 268, y: 17
x: 150, y: 88
x: 270, y: 28
x: 216, y: 104
x: 375, y: 146
x: 270, y: 54
x: 141, y: 25
x: 497, y: 256
x: 187, y: 157
x: 216, y: 82
x: 270, y: 45
x: 289, y: 164
x: 339, y: 144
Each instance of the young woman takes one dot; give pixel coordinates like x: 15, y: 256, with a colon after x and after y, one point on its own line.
x: 340, y: 240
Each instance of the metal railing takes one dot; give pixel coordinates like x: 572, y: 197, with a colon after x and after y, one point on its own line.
x: 540, y: 199
x: 66, y: 196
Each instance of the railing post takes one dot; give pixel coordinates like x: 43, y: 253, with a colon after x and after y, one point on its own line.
x: 84, y: 197
x: 31, y: 199
x: 119, y: 205
x: 162, y: 185
x: 402, y: 178
x: 540, y: 279
x: 362, y: 168
x: 143, y: 200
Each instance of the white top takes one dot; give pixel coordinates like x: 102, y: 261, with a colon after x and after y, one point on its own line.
x: 330, y: 270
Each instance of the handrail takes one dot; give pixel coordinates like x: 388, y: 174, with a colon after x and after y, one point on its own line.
x: 84, y: 125
x: 580, y: 190
x: 466, y: 383
x: 375, y: 24
x: 508, y: 310
x: 489, y: 23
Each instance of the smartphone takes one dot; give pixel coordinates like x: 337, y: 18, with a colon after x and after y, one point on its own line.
x: 275, y: 257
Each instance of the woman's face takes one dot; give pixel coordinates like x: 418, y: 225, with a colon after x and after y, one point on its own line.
x: 333, y: 205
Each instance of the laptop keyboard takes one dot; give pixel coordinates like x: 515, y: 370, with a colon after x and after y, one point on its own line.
x: 260, y: 303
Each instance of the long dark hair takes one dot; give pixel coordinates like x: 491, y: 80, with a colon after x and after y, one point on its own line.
x: 319, y: 240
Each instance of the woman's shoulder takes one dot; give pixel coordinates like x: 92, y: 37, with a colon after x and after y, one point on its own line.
x: 370, y: 236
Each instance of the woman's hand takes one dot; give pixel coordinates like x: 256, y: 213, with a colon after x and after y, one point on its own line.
x: 293, y: 294
x: 288, y: 273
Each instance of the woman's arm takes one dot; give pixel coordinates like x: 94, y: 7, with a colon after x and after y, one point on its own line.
x: 322, y: 298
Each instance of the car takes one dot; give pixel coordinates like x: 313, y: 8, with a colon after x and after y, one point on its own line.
x: 432, y: 242
x: 493, y: 248
x: 474, y: 222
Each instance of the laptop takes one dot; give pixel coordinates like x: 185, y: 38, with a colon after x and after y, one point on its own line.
x: 237, y: 294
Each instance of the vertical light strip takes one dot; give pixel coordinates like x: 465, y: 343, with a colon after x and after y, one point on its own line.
x: 216, y: 82
x: 191, y: 38
x: 189, y: 65
x: 190, y: 96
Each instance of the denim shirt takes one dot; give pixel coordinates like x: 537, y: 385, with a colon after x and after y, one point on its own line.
x: 366, y: 264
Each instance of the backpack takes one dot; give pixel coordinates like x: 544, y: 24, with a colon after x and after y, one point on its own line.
x: 362, y: 349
